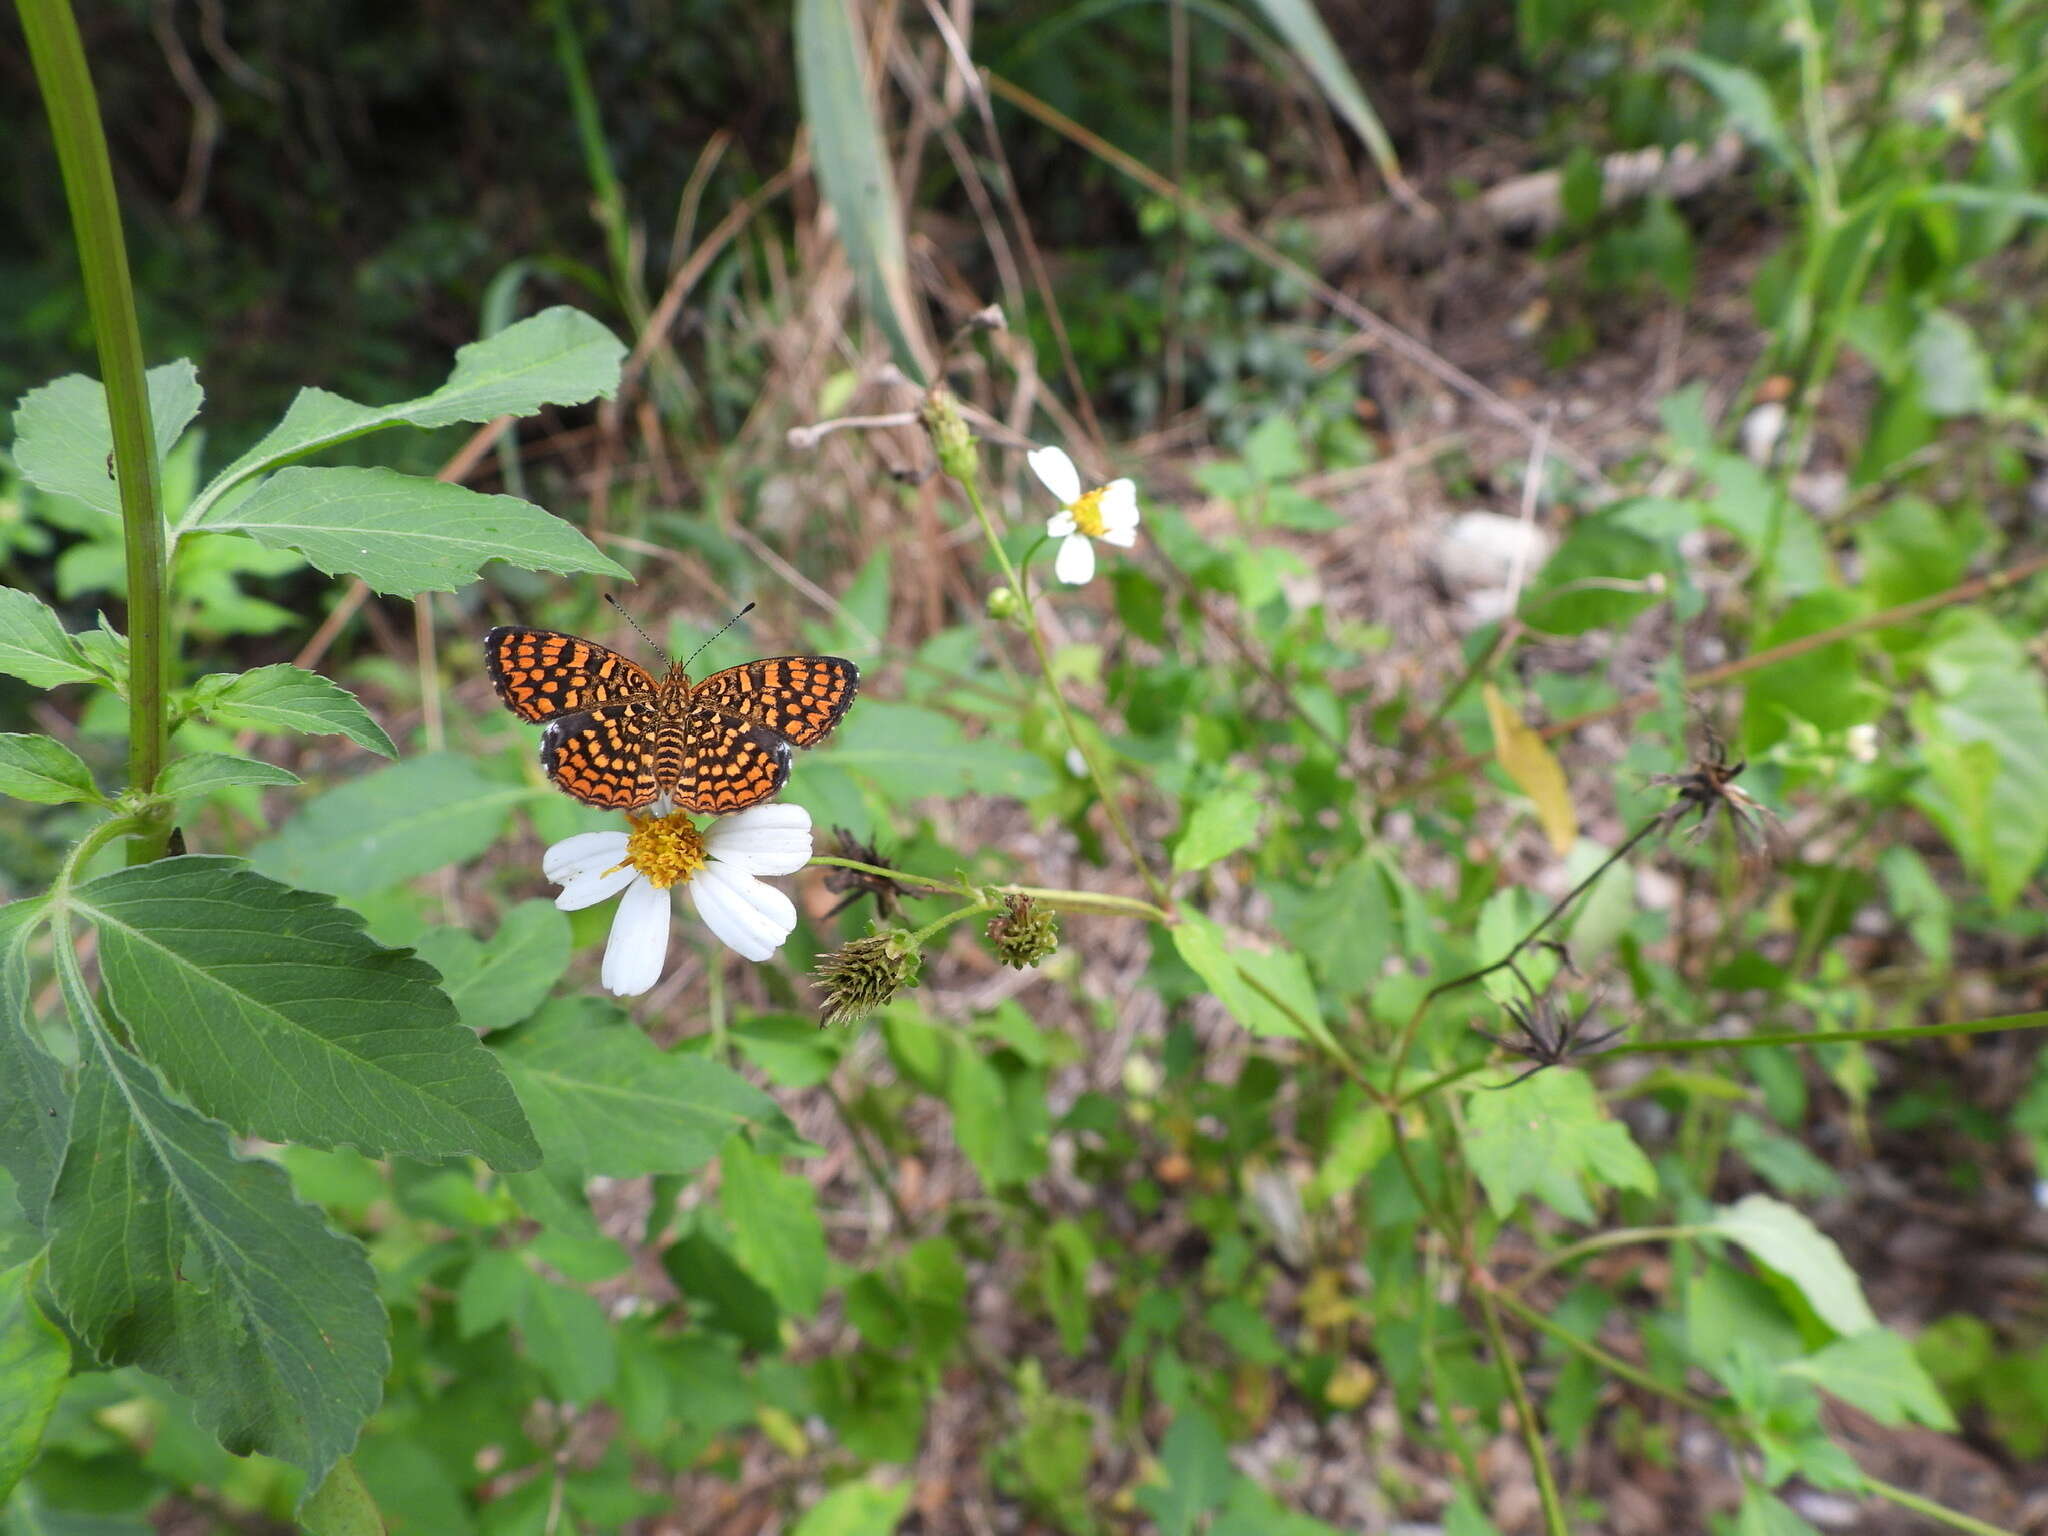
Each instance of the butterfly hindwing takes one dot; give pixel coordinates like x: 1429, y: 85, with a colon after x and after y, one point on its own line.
x: 541, y: 674
x: 797, y: 697
x: 603, y: 756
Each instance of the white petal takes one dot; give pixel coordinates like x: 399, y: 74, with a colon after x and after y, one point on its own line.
x: 767, y: 840
x: 586, y: 850
x: 1056, y: 473
x: 1076, y: 563
x: 593, y: 884
x: 743, y: 914
x: 1122, y: 538
x: 639, y: 941
x: 1059, y: 525
x: 1119, y: 505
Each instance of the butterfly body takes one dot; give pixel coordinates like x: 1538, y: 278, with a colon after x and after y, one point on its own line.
x: 621, y: 738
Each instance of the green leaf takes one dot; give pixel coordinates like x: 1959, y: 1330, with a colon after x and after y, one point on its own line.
x: 853, y: 168
x: 1562, y: 598
x: 1876, y: 1371
x: 856, y: 1509
x: 1950, y: 370
x: 604, y: 1099
x: 1542, y: 1137
x: 776, y: 1232
x: 35, y: 1362
x: 1984, y: 736
x: 1822, y: 687
x: 1221, y: 824
x: 205, y: 773
x: 566, y: 1334
x: 35, y: 1109
x: 62, y: 435
x: 1744, y: 97
x: 341, y: 1505
x: 402, y: 534
x: 1223, y: 964
x: 269, y: 1009
x: 1198, y: 1474
x: 1303, y: 29
x: 558, y: 357
x: 169, y: 1252
x: 44, y: 770
x: 1782, y: 1238
x: 1763, y: 1513
x: 497, y: 984
x: 388, y: 826
x: 33, y: 644
x: 909, y: 753
x: 288, y: 698
x: 1345, y: 928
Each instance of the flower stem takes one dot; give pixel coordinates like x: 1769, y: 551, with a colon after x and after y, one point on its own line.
x: 58, y: 57
x: 1825, y: 1036
x: 970, y: 484
x: 1554, y: 1521
x: 1065, y: 901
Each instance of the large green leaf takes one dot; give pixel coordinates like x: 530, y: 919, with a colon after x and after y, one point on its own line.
x: 1876, y: 1371
x: 856, y: 1509
x: 282, y: 697
x: 402, y: 534
x: 169, y: 1252
x: 1298, y: 22
x: 558, y: 357
x: 35, y: 1362
x: 63, y: 437
x: 1545, y: 1137
x: 1984, y: 736
x: 1220, y: 824
x: 1782, y: 1238
x: 1268, y: 991
x: 604, y: 1099
x: 206, y: 773
x: 35, y: 1107
x: 388, y: 826
x: 852, y: 166
x: 44, y: 770
x: 500, y: 983
x: 776, y: 1232
x: 33, y: 644
x: 1822, y: 687
x: 270, y: 1009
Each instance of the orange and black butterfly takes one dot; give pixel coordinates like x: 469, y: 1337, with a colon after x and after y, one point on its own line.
x: 621, y: 739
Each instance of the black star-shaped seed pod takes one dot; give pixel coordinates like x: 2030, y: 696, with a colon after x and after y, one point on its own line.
x: 1547, y: 1035
x: 857, y: 883
x: 1707, y: 790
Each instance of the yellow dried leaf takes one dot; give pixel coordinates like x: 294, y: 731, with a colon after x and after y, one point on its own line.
x: 1535, y: 770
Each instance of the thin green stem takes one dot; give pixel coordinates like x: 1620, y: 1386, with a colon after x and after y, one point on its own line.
x: 1617, y: 1237
x: 1955, y: 1519
x: 1825, y: 1037
x: 971, y: 486
x: 1442, y: 1080
x: 1065, y: 901
x: 1607, y: 1361
x: 1525, y: 1414
x: 58, y: 57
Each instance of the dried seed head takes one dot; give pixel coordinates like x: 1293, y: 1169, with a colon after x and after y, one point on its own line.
x: 859, y: 977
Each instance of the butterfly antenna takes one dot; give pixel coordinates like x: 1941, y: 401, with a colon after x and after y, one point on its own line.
x: 636, y: 627
x: 728, y: 624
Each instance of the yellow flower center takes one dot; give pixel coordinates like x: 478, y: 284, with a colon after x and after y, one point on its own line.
x: 1088, y: 514
x: 667, y: 850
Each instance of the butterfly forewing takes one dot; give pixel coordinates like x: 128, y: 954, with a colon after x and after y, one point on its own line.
x: 541, y: 674
x: 711, y: 762
x: 604, y: 756
x: 797, y: 697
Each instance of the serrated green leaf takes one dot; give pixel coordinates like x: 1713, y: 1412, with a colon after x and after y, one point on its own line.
x: 604, y: 1099
x: 1545, y: 1136
x: 390, y: 825
x: 33, y: 644
x: 1821, y: 687
x: 341, y: 1505
x: 270, y: 1009
x: 43, y: 770
x: 1782, y: 1238
x: 1877, y: 1371
x: 283, y: 697
x: 567, y: 1336
x: 206, y: 773
x: 1219, y: 825
x: 402, y: 534
x: 776, y: 1232
x: 35, y: 1362
x: 853, y: 168
x: 171, y: 1253
x: 856, y: 1509
x: 498, y: 984
x: 63, y: 435
x: 557, y: 357
x: 1224, y: 965
x: 1198, y: 1474
x: 35, y: 1109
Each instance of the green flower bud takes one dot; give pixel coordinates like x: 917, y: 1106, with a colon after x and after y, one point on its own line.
x: 1023, y: 932
x: 951, y: 440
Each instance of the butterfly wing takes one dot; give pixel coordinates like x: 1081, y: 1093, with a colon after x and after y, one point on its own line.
x: 542, y: 675
x: 604, y: 756
x: 799, y: 698
x: 714, y: 763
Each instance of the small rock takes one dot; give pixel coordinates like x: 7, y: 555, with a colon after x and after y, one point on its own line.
x: 1481, y: 549
x: 1760, y: 431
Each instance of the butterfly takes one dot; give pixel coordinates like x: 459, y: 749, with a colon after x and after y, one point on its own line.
x: 619, y: 738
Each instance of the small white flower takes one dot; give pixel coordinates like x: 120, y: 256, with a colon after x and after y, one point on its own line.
x: 718, y: 867
x: 1863, y: 743
x: 1109, y: 513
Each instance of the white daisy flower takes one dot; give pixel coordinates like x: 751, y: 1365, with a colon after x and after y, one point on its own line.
x: 1109, y: 513
x: 718, y: 866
